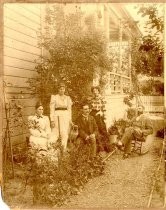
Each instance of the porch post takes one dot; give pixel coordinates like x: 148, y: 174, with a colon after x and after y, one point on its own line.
x: 129, y: 42
x: 1, y: 89
x: 120, y: 54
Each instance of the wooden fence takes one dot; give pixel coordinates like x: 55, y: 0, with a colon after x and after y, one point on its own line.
x: 153, y: 103
x: 116, y: 108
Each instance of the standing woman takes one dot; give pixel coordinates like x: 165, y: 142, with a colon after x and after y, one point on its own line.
x: 60, y: 114
x: 39, y: 128
x: 98, y: 112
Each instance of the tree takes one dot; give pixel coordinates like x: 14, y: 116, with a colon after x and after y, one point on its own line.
x: 148, y: 52
x: 73, y: 52
x: 156, y: 20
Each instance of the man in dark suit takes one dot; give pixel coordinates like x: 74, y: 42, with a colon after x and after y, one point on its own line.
x: 87, y: 130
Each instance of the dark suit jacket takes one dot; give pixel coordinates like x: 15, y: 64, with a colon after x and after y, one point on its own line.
x: 85, y: 128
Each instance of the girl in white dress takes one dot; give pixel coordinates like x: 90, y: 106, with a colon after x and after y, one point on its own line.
x: 60, y: 115
x: 39, y: 127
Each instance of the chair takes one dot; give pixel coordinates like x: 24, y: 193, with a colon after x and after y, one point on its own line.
x: 142, y: 146
x: 137, y: 145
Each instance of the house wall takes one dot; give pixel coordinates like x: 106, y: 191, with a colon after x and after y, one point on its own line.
x: 21, y: 24
x: 115, y: 108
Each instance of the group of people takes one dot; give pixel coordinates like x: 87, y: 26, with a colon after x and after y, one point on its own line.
x: 91, y: 125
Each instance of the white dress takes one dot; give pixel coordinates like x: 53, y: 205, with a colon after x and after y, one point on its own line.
x: 60, y: 108
x: 40, y: 131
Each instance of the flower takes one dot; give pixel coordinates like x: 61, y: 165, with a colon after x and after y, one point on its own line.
x: 34, y: 124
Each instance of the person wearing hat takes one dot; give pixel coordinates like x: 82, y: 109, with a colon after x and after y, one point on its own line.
x: 39, y: 128
x: 98, y: 112
x: 60, y: 115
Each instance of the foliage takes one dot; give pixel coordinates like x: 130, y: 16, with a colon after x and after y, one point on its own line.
x: 155, y: 20
x: 74, y: 50
x: 54, y: 179
x: 127, y: 99
x: 151, y: 87
x: 147, y: 52
x: 117, y: 128
x: 15, y: 121
x: 147, y: 60
x: 160, y: 133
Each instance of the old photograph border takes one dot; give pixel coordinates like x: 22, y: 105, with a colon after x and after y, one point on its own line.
x: 2, y: 64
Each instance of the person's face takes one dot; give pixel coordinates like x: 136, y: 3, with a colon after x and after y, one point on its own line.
x: 95, y: 92
x: 61, y: 90
x: 140, y: 110
x: 85, y: 110
x: 39, y: 110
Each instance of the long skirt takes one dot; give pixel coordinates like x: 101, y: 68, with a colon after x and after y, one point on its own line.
x: 62, y: 126
x: 38, y: 142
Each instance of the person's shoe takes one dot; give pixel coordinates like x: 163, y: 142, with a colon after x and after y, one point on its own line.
x: 120, y: 145
x: 126, y: 156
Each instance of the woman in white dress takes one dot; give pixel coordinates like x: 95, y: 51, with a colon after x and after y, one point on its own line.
x: 39, y: 127
x: 60, y: 115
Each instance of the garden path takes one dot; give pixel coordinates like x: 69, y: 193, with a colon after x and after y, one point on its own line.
x: 126, y: 183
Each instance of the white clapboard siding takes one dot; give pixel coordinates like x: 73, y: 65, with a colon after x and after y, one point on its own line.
x: 16, y: 81
x: 21, y: 27
x: 22, y: 45
x: 20, y: 63
x: 34, y: 9
x: 16, y: 92
x: 20, y: 54
x: 17, y: 14
x: 27, y: 13
x: 12, y: 71
x: 13, y: 34
x: 22, y: 24
x: 27, y: 110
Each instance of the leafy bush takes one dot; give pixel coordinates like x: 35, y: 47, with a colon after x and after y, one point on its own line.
x: 54, y: 179
x: 74, y: 52
x: 152, y: 87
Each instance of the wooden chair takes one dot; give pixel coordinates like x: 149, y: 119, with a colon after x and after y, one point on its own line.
x: 142, y: 146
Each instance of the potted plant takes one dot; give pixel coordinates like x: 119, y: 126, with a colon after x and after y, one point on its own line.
x: 113, y: 133
x: 116, y: 130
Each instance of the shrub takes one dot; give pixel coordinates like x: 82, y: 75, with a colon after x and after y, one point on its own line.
x: 55, y: 180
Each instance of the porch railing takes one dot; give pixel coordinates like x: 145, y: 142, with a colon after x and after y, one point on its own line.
x: 153, y: 103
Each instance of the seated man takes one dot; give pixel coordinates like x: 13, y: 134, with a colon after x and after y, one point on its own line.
x: 141, y: 126
x: 87, y: 130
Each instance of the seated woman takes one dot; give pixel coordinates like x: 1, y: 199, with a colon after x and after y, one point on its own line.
x: 39, y: 127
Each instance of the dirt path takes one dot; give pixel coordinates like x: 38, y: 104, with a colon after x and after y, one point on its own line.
x: 125, y: 184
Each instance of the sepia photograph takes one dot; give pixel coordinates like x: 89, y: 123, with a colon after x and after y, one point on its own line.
x: 82, y: 105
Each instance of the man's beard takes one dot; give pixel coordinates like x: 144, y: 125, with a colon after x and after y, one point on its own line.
x: 139, y: 113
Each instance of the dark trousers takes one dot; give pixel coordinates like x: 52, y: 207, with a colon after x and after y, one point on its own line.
x: 129, y: 135
x: 103, y: 140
